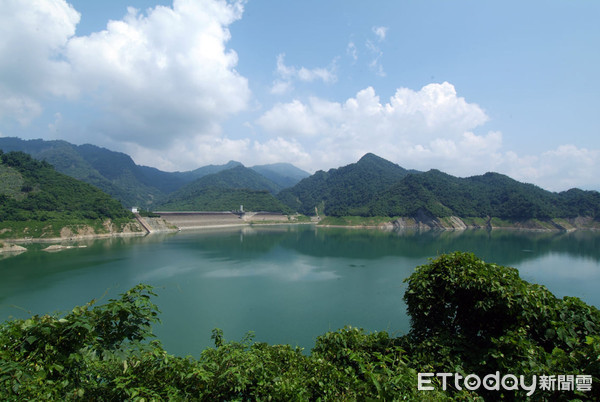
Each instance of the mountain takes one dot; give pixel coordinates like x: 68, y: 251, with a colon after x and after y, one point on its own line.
x: 343, y: 191
x: 283, y: 174
x: 227, y: 199
x: 226, y: 190
x: 32, y: 190
x: 236, y: 177
x: 118, y: 175
x: 113, y: 172
x: 490, y: 195
x: 376, y: 187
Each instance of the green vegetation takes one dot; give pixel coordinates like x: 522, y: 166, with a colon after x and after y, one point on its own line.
x: 283, y: 174
x: 481, y: 318
x: 375, y: 187
x: 226, y: 191
x: 238, y: 177
x: 118, y: 175
x: 343, y: 191
x: 225, y: 199
x: 491, y: 195
x: 370, y: 187
x: 37, y: 201
x: 355, y: 220
x: 468, y: 317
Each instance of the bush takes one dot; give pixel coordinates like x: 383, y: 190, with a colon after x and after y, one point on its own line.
x: 484, y: 318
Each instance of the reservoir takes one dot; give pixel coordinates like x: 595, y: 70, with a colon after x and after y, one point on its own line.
x: 287, y: 284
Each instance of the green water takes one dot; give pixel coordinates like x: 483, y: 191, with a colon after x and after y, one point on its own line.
x: 288, y: 284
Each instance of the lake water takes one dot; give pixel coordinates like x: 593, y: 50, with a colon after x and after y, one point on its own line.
x: 288, y: 284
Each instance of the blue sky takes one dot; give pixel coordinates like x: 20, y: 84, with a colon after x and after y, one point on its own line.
x: 462, y: 86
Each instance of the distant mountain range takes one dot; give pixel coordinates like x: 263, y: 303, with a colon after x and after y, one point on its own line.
x: 227, y: 190
x: 119, y: 176
x: 376, y: 187
x: 370, y: 187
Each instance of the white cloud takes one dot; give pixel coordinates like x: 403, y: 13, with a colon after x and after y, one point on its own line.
x: 380, y: 32
x: 288, y: 74
x: 191, y: 153
x: 163, y: 75
x: 559, y: 169
x: 419, y: 128
x: 375, y: 63
x: 147, y: 78
x: 32, y: 37
x: 429, y: 128
x: 352, y: 51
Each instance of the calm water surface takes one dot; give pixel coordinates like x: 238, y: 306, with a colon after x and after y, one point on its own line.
x: 288, y: 284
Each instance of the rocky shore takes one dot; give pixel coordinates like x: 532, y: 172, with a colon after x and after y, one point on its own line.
x: 424, y: 222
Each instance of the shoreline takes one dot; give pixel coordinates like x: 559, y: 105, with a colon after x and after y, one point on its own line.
x: 393, y: 224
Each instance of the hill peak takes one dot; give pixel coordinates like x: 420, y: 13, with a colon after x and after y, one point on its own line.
x: 371, y: 157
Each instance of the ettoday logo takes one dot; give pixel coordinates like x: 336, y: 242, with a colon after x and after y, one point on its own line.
x: 508, y: 382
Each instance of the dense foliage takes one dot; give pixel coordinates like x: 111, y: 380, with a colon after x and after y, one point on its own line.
x: 118, y: 175
x: 475, y: 317
x: 283, y: 174
x: 225, y: 199
x: 468, y: 316
x: 226, y: 191
x: 343, y: 191
x: 376, y: 187
x: 34, y: 191
x: 490, y: 195
x: 238, y: 177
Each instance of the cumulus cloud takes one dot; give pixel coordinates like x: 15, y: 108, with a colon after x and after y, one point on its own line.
x: 286, y: 75
x: 565, y: 167
x: 148, y: 78
x: 33, y: 35
x: 429, y: 128
x: 416, y: 127
x: 204, y: 150
x: 163, y: 75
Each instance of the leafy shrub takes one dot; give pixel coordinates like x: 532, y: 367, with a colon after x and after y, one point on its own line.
x: 484, y: 318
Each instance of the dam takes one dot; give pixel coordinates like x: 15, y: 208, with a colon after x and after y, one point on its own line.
x: 188, y: 220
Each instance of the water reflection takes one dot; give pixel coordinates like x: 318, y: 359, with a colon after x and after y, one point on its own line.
x: 293, y: 271
x: 500, y: 246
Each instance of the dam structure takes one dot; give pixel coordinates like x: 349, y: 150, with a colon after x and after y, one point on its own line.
x: 189, y: 220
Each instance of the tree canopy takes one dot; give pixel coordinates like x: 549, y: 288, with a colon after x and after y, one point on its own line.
x: 46, y: 194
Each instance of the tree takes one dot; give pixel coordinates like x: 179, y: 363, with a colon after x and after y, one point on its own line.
x: 484, y: 318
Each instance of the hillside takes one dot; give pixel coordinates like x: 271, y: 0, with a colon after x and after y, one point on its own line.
x: 283, y: 174
x: 34, y: 196
x: 376, y: 187
x: 343, y: 191
x: 224, y: 191
x: 227, y: 199
x: 490, y: 195
x: 118, y: 175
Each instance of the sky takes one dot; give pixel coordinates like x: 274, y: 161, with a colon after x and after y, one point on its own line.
x: 465, y: 87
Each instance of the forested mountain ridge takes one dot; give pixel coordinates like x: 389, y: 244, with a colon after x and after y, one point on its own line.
x: 490, y: 195
x: 33, y: 192
x: 226, y: 190
x: 376, y: 187
x: 345, y: 190
x: 283, y: 174
x: 118, y: 175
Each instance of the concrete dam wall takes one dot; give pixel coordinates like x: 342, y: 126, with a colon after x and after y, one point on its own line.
x: 197, y: 220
